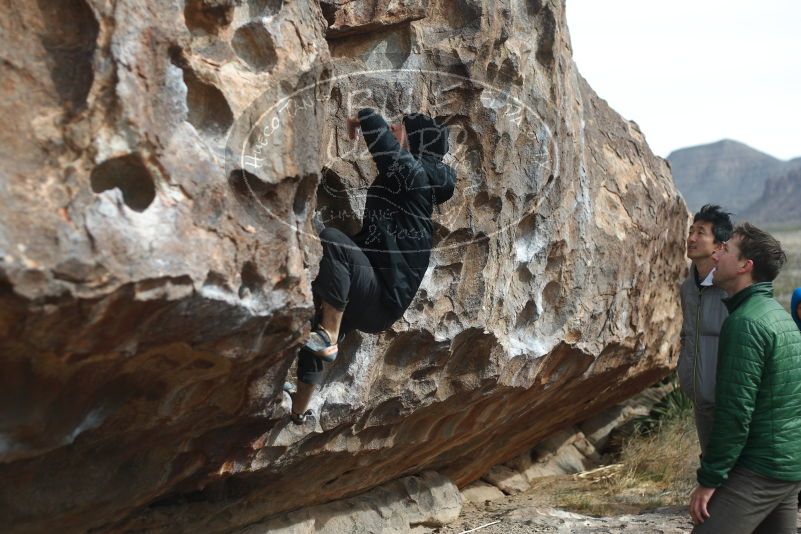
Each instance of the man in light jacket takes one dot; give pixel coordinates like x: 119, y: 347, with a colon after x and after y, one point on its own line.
x: 703, y: 314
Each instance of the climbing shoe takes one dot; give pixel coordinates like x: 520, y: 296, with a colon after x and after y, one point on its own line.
x: 319, y: 344
x: 301, y: 418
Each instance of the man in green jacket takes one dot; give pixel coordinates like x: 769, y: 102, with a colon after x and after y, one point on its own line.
x: 750, y: 474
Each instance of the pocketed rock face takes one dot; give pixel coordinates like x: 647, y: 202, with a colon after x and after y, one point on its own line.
x: 155, y: 276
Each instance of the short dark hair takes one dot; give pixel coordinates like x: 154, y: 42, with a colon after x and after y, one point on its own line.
x: 761, y: 248
x: 721, y: 221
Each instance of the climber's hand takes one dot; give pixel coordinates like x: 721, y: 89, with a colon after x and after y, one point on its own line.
x: 353, y: 125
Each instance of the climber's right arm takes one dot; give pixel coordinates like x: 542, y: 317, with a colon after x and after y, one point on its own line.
x: 383, y: 146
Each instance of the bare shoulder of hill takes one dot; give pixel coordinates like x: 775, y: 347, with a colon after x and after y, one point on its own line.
x: 755, y: 186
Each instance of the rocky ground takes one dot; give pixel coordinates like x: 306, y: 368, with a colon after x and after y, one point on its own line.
x: 531, y: 512
x: 519, y: 514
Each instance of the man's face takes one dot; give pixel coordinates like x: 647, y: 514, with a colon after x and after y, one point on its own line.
x: 728, y: 265
x: 701, y: 241
x: 798, y: 310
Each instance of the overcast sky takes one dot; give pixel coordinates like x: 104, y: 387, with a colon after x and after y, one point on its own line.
x: 694, y: 72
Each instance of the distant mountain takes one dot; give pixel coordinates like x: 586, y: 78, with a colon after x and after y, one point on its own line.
x: 728, y: 173
x: 780, y: 202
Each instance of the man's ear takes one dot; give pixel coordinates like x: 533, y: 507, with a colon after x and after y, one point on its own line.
x: 747, y: 267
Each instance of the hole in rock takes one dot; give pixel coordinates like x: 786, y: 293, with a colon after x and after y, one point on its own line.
x: 554, y: 310
x: 527, y: 315
x: 524, y: 274
x: 161, y: 287
x: 252, y: 281
x: 329, y: 10
x: 259, y: 199
x: 387, y: 48
x: 463, y: 13
x: 5, y: 284
x: 459, y: 134
x: 129, y: 174
x: 471, y: 352
x: 484, y: 200
x: 509, y: 72
x: 556, y: 256
x: 333, y: 203
x: 471, y: 284
x: 388, y: 412
x: 492, y: 71
x: 552, y: 292
x: 325, y: 82
x: 527, y: 225
x: 254, y: 44
x: 457, y: 69
x: 452, y: 248
x: 265, y: 8
x: 69, y: 37
x: 440, y: 233
x: 454, y: 269
x: 209, y: 111
x: 303, y: 194
x: 208, y: 16
x: 218, y: 280
x: 547, y: 37
x: 411, y: 350
x: 246, y: 184
x: 533, y: 7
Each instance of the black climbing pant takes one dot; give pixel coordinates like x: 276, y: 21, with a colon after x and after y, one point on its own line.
x: 347, y: 281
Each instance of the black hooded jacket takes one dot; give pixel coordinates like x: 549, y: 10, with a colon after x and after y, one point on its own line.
x: 396, y: 232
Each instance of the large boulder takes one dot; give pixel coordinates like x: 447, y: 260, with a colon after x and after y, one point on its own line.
x: 162, y: 163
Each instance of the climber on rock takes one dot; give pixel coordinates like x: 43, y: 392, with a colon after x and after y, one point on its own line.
x: 367, y: 281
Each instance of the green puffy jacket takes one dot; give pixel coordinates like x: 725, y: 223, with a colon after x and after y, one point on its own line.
x: 758, y: 393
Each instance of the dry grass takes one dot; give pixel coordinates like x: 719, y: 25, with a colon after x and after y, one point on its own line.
x: 790, y: 276
x: 653, y: 471
x: 667, y: 458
